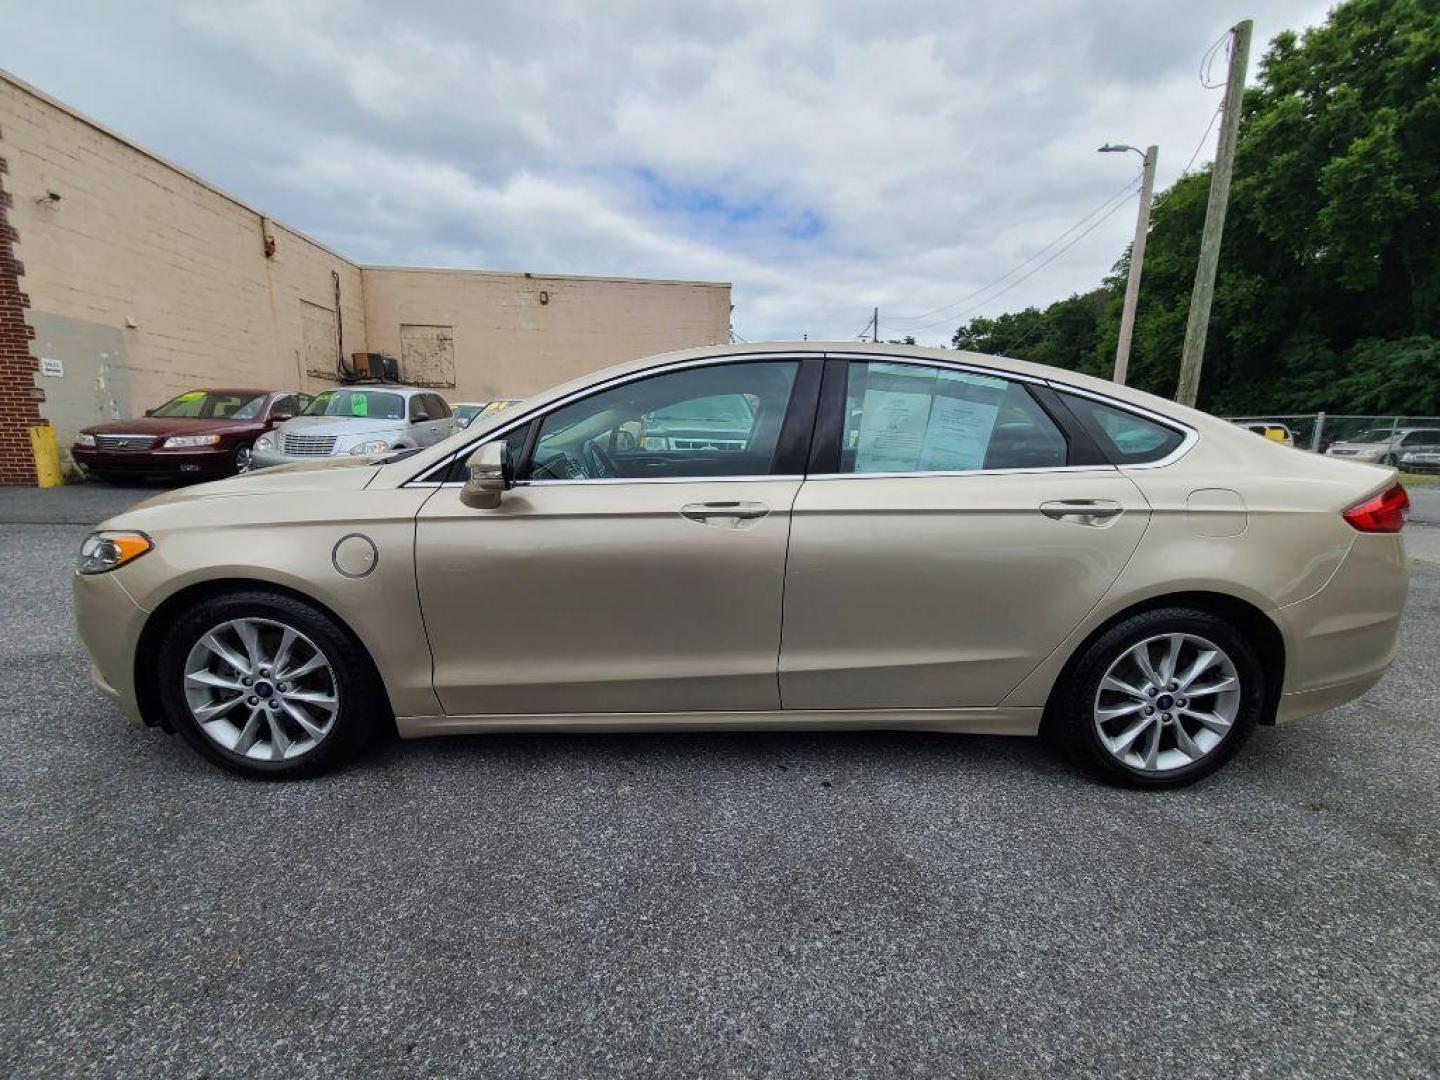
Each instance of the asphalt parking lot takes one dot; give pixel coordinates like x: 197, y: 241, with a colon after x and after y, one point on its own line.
x: 706, y: 905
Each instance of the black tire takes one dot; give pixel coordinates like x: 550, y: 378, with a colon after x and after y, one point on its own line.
x: 241, y: 460
x: 1390, y: 459
x: 363, y: 704
x: 1070, y: 716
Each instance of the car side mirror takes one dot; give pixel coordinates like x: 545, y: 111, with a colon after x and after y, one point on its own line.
x: 420, y: 418
x: 491, y: 476
x: 149, y: 412
x: 281, y: 417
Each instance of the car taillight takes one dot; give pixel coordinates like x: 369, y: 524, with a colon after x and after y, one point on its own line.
x: 1385, y: 513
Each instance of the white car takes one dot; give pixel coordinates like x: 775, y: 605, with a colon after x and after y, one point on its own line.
x: 358, y: 420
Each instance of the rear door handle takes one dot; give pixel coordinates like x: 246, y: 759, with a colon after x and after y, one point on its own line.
x: 1093, y: 512
x: 730, y: 515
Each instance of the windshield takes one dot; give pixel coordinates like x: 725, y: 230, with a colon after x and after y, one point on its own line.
x: 205, y: 405
x: 371, y: 404
x: 1371, y: 435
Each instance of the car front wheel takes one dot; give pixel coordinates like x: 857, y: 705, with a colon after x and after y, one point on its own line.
x: 1161, y: 699
x: 243, y: 459
x: 267, y: 685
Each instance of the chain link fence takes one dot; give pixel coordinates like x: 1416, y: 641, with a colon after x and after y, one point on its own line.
x: 1319, y: 431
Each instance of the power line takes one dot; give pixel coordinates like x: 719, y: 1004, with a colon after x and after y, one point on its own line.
x: 1201, y: 144
x: 900, y: 321
x: 1029, y: 274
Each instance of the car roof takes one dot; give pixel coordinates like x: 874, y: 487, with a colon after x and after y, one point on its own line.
x: 389, y: 388
x: 231, y: 390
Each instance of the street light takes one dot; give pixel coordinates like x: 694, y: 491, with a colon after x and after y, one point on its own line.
x: 1137, y: 253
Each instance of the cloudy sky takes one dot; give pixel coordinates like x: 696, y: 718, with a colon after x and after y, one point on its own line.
x: 825, y: 157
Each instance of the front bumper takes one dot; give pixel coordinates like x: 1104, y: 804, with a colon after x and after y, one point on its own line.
x: 109, y: 622
x: 264, y: 459
x: 208, y: 462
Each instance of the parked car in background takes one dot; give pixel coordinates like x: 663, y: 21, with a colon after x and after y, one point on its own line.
x: 197, y: 435
x: 1274, y: 432
x: 1383, y: 446
x: 1421, y: 461
x: 358, y: 420
x: 952, y: 541
x: 468, y: 411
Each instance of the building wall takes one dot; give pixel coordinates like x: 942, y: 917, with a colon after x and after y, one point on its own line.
x: 19, y: 404
x: 514, y: 334
x: 145, y: 281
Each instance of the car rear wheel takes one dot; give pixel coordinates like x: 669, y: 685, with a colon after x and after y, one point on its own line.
x: 1161, y: 699
x: 267, y: 685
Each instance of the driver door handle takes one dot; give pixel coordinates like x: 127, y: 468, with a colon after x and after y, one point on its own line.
x: 729, y: 515
x: 1093, y: 512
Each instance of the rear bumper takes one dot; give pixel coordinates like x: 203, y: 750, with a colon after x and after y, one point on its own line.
x: 210, y: 463
x: 1340, y: 641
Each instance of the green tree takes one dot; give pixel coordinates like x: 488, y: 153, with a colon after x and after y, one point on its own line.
x: 1328, y: 294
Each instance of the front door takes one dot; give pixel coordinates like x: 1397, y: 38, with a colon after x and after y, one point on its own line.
x: 950, y: 545
x: 637, y: 566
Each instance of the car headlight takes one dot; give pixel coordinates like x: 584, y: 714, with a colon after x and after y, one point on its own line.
x: 265, y: 442
x: 105, y: 551
x: 374, y: 446
x: 175, y: 442
x: 84, y: 440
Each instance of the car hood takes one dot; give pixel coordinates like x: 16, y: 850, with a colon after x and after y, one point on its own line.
x: 322, y: 474
x: 167, y: 425
x: 1343, y: 445
x: 339, y: 425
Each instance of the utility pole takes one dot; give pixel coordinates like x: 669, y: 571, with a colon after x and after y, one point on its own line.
x: 1137, y: 263
x: 875, y: 325
x: 1199, y: 323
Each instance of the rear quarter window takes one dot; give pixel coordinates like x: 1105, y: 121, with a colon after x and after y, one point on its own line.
x: 1125, y: 437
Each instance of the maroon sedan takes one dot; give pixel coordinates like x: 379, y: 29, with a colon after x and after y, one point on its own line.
x: 200, y: 435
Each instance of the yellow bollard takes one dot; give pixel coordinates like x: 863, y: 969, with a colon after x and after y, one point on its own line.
x: 47, y: 456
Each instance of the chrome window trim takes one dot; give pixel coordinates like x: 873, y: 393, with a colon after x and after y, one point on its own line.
x: 1189, y: 436
x: 920, y: 474
x: 424, y: 478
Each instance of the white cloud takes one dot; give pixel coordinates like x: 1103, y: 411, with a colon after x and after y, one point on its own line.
x: 823, y: 157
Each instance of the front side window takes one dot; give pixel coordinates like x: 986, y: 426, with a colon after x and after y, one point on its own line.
x: 722, y: 420
x: 439, y: 409
x: 912, y: 418
x: 367, y: 404
x: 1126, y: 438
x: 205, y: 405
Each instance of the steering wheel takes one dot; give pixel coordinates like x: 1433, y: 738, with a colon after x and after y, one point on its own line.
x: 597, y: 462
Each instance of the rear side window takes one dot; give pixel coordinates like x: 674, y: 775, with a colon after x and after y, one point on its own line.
x: 1126, y: 438
x: 913, y: 418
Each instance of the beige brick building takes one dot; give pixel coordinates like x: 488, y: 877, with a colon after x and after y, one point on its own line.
x: 143, y: 281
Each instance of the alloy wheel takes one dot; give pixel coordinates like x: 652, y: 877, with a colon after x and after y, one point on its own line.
x: 244, y: 459
x: 1167, y: 702
x: 261, y: 689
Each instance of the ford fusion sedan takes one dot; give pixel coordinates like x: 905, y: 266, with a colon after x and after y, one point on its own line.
x: 869, y: 537
x: 200, y: 434
x: 358, y: 421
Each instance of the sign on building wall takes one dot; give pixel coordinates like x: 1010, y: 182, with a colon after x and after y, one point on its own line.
x: 427, y: 354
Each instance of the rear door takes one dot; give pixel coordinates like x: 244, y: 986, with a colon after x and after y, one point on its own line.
x: 954, y: 528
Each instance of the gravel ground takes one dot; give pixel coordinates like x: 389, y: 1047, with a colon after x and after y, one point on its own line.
x: 751, y: 905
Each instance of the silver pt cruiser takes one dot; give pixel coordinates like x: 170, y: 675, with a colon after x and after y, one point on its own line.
x: 358, y: 420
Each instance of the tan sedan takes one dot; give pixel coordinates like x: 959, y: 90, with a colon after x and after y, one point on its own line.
x: 778, y: 536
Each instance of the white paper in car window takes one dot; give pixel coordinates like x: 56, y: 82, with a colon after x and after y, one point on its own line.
x: 961, y: 422
x: 923, y: 419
